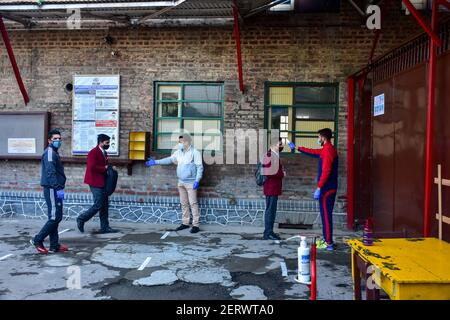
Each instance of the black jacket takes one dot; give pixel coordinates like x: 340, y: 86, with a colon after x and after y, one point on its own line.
x: 52, y: 170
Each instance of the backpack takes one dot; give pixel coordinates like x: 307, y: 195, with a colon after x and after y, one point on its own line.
x: 111, y: 180
x: 259, y: 176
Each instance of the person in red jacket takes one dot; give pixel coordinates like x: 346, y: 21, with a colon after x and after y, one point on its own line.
x: 97, y: 163
x: 273, y: 170
x: 327, y: 183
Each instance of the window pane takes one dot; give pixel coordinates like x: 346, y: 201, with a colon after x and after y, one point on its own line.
x: 169, y: 92
x: 206, y: 142
x: 315, y: 113
x: 200, y: 109
x: 279, y: 118
x: 168, y: 109
x: 313, y: 126
x: 202, y: 126
x: 167, y: 141
x: 281, y: 96
x: 309, y: 94
x: 200, y: 92
x: 168, y: 125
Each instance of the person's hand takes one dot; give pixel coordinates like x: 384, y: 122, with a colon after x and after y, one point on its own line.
x: 291, y: 145
x: 284, y: 173
x: 60, y: 194
x: 317, y: 194
x: 196, y: 185
x: 150, y: 162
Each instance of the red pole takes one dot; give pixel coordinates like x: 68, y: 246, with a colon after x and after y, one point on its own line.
x: 313, y: 271
x: 13, y: 61
x: 422, y: 21
x: 430, y: 124
x: 350, y: 150
x: 237, y: 36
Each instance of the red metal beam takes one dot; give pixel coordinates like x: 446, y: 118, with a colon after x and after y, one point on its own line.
x: 350, y: 151
x: 13, y: 61
x: 237, y: 36
x: 430, y: 124
x: 422, y: 22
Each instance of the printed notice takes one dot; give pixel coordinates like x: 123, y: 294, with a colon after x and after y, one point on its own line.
x: 22, y: 145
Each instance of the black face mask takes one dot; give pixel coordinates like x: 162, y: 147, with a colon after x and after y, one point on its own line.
x: 106, y: 147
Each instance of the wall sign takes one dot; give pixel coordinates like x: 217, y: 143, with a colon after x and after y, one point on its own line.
x: 378, y: 105
x: 95, y: 111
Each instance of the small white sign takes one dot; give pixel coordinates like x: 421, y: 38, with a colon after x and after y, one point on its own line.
x: 22, y: 145
x: 378, y: 105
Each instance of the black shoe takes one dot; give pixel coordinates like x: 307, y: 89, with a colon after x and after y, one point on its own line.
x: 272, y: 237
x: 80, y: 225
x: 182, y: 227
x: 109, y: 230
x: 195, y: 229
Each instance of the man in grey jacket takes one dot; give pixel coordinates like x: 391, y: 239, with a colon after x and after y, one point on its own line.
x: 189, y: 173
x: 53, y: 181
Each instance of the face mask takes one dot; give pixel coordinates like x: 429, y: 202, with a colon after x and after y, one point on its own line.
x: 281, y: 148
x: 106, y: 147
x: 180, y: 146
x: 56, y: 144
x: 319, y: 142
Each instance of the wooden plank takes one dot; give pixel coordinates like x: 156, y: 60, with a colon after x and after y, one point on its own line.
x: 440, y: 200
x: 445, y: 182
x: 444, y: 218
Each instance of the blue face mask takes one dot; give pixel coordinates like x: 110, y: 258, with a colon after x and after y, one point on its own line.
x: 56, y: 144
x: 180, y: 146
x: 319, y: 142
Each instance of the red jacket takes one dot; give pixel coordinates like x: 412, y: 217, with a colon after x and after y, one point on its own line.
x: 96, y: 170
x: 273, y: 169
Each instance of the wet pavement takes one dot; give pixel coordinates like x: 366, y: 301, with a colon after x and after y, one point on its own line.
x: 144, y: 262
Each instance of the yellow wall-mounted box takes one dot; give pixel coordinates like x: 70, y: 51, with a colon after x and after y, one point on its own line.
x: 139, y: 145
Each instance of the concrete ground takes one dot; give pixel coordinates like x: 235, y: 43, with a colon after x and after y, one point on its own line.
x: 144, y: 262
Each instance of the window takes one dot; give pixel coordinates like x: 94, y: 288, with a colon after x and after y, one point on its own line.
x: 300, y: 110
x: 194, y: 107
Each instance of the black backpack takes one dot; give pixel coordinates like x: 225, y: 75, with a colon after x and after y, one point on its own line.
x: 111, y: 180
x: 259, y: 176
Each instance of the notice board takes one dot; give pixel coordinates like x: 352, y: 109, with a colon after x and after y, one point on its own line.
x: 96, y: 106
x: 23, y: 135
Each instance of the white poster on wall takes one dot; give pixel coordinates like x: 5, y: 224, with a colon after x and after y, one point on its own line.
x: 96, y: 109
x: 378, y: 105
x: 22, y: 145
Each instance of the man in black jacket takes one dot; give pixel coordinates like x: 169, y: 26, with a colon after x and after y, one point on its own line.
x: 53, y: 181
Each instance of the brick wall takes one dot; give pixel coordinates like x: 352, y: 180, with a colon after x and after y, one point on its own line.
x: 325, y: 48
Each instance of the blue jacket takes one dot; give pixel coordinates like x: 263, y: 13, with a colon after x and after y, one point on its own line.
x: 52, y: 170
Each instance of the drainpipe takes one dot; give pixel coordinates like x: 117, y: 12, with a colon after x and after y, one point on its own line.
x: 237, y: 36
x: 350, y: 150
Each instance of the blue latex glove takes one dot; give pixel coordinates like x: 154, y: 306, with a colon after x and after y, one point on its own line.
x: 60, y: 194
x: 150, y: 162
x: 291, y: 145
x: 196, y: 185
x: 317, y: 194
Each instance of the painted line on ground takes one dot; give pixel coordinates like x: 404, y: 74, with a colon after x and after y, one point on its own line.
x: 144, y: 264
x: 6, y: 257
x: 165, y: 235
x: 284, y: 271
x: 65, y: 230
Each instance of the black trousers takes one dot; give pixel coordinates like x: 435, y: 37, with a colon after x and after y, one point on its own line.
x: 101, y: 203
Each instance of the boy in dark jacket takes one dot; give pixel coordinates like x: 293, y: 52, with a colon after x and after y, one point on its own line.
x: 273, y: 169
x: 53, y: 181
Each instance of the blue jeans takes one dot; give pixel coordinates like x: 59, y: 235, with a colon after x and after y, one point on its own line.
x: 269, y: 214
x: 55, y: 212
x: 101, y: 203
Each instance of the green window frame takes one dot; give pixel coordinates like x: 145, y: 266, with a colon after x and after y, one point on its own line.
x: 299, y: 109
x: 177, y: 108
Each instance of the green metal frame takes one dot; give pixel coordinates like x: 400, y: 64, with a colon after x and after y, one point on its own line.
x: 182, y: 84
x: 269, y: 84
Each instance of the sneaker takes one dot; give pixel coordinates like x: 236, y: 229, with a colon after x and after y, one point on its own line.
x: 182, y: 227
x: 195, y: 229
x: 330, y: 247
x: 321, y: 244
x: 61, y: 248
x: 39, y: 247
x: 272, y: 237
x: 80, y: 225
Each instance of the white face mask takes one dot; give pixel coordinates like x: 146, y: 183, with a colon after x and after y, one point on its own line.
x: 319, y: 142
x: 180, y: 146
